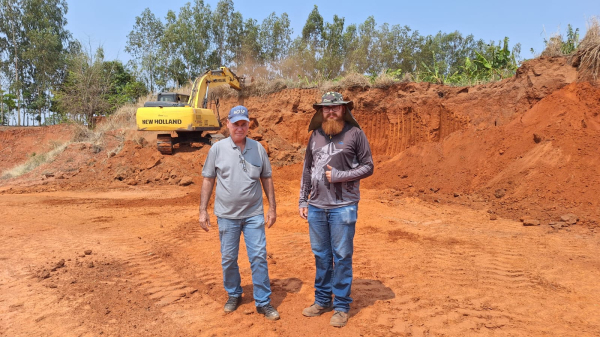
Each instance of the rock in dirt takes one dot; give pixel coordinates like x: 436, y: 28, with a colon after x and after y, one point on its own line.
x: 44, y: 274
x: 173, y: 181
x: 570, y: 218
x: 91, y: 264
x: 558, y: 225
x: 185, y: 181
x: 500, y: 193
x: 531, y: 222
x: 59, y: 265
x: 87, y: 252
x: 537, y: 138
x: 153, y: 163
x: 493, y: 217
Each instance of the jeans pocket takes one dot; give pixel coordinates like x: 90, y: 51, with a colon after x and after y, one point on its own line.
x: 348, y: 215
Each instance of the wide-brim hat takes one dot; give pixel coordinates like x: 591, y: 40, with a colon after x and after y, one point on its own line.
x: 333, y: 98
x: 329, y: 99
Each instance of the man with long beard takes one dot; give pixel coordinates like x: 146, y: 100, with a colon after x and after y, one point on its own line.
x: 337, y: 157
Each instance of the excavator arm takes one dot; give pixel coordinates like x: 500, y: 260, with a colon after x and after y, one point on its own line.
x: 212, y: 78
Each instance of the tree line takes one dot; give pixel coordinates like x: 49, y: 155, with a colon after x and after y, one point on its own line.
x: 47, y: 77
x: 171, y: 51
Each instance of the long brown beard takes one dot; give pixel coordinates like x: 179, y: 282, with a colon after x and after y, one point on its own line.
x: 333, y: 126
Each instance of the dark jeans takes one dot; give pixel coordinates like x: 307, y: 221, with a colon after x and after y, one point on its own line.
x: 332, y: 242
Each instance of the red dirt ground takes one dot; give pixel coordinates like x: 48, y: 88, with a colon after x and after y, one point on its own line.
x: 440, y: 250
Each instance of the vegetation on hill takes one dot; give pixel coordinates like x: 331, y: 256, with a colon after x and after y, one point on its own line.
x: 47, y: 77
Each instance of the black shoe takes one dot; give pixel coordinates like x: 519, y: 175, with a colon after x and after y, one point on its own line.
x: 232, y: 303
x: 268, y: 311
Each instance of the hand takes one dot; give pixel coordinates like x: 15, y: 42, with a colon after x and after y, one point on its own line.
x: 204, y: 220
x: 271, y: 217
x: 328, y: 173
x: 303, y: 212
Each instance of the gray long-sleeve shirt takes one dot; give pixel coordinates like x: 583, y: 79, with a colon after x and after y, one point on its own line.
x: 349, y: 155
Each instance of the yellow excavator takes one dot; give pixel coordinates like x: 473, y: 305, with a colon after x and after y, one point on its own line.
x: 190, y: 121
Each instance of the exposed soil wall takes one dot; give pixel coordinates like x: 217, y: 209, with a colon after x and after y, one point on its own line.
x: 523, y: 146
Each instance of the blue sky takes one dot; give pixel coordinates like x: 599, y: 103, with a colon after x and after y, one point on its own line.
x: 107, y: 22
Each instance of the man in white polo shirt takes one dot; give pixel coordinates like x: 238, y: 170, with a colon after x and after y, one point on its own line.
x: 239, y: 165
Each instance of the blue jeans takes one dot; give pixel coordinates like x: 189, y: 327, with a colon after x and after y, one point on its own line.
x: 256, y: 244
x: 332, y: 241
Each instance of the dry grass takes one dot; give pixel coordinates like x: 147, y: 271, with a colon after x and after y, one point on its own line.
x: 117, y: 125
x: 587, y: 57
x: 328, y: 86
x: 263, y: 87
x: 35, y: 160
x: 353, y: 80
x: 384, y: 80
x: 554, y: 46
x: 222, y: 91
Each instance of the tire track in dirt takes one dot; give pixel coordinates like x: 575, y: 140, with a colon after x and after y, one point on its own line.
x: 30, y: 303
x: 480, y: 277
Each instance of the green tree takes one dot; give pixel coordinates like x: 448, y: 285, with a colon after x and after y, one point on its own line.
x: 143, y: 43
x: 235, y: 39
x: 251, y: 55
x: 44, y: 54
x: 7, y: 105
x: 305, y: 51
x: 221, y: 21
x: 34, y: 39
x: 87, y: 87
x: 397, y: 45
x: 334, y: 48
x: 275, y: 35
x: 364, y: 56
x: 193, y: 31
x: 123, y: 88
x: 12, y: 38
x: 172, y: 66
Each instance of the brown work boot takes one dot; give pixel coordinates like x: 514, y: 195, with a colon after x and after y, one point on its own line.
x: 315, y: 310
x: 339, y: 319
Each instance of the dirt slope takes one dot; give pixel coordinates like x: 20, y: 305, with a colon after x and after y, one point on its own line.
x: 540, y: 164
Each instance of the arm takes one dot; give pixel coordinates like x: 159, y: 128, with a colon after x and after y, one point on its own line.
x: 365, y: 163
x: 267, y: 184
x: 207, y: 188
x: 305, y: 183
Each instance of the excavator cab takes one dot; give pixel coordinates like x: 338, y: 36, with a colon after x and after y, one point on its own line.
x: 169, y: 99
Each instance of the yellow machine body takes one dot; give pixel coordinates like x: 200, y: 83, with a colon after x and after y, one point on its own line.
x: 170, y: 119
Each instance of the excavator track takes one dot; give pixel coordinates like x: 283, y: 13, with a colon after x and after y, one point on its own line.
x: 164, y: 143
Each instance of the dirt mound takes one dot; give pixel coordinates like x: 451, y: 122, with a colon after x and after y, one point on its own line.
x: 541, y: 164
x: 17, y: 144
x: 427, y: 140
